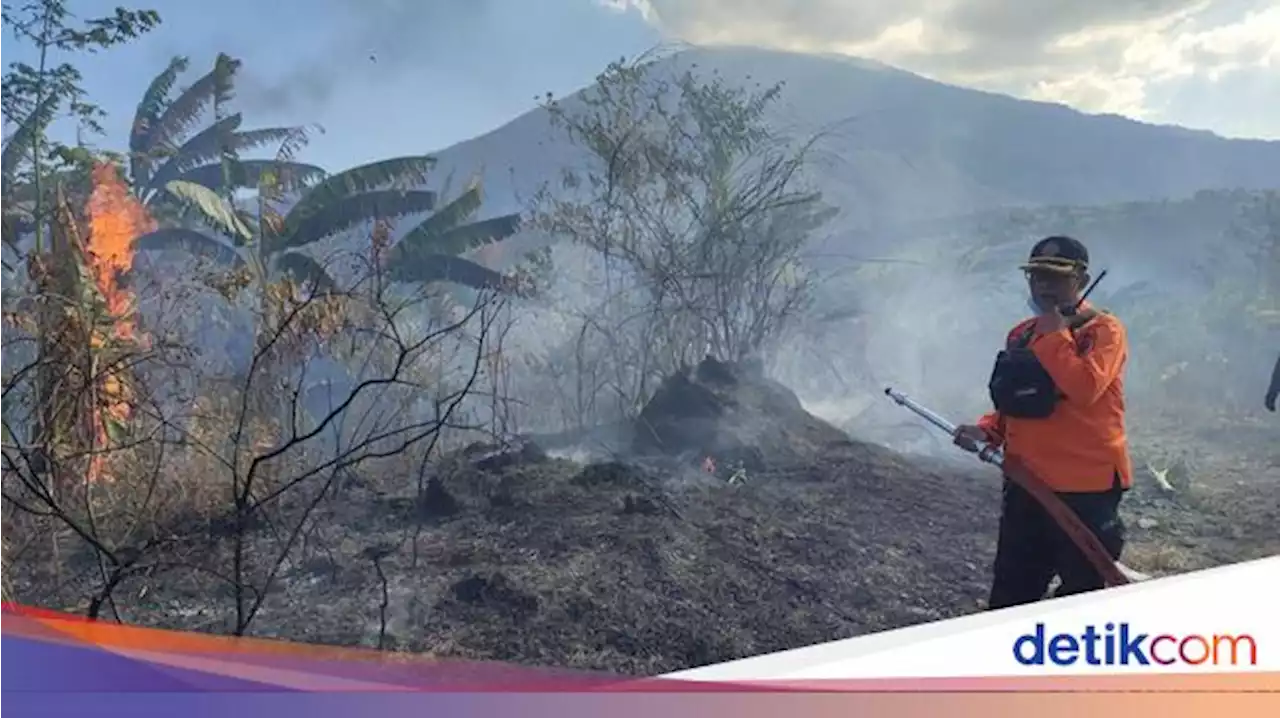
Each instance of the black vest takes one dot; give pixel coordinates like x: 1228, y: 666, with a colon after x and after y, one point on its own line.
x: 1020, y: 386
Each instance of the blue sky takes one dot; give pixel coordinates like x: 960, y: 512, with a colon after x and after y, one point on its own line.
x: 382, y: 77
x: 394, y: 77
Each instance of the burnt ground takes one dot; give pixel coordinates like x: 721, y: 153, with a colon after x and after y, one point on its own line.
x: 1225, y: 503
x: 628, y: 569
x: 654, y: 565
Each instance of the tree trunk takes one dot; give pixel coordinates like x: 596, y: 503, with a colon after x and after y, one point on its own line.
x: 64, y: 413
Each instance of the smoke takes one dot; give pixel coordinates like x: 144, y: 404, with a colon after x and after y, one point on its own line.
x: 930, y: 321
x: 377, y: 41
x: 932, y: 330
x: 302, y: 89
x: 486, y: 53
x: 928, y: 325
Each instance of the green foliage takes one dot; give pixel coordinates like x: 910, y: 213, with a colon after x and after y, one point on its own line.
x: 159, y: 135
x: 395, y: 172
x: 250, y: 173
x: 50, y: 26
x: 163, y: 149
x: 72, y: 328
x: 184, y: 176
x: 695, y: 209
x: 208, y: 145
x: 34, y: 97
x: 447, y: 218
x: 430, y: 251
x: 23, y: 140
x: 216, y: 211
x: 343, y: 213
x: 305, y: 271
x: 147, y: 115
x: 192, y: 242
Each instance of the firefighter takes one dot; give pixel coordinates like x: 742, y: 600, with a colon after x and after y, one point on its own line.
x: 1058, y: 392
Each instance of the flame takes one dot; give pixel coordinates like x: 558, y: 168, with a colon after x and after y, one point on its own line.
x: 116, y: 219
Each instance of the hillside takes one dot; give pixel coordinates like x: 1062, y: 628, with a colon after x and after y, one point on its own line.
x: 1187, y: 276
x: 1211, y: 237
x: 349, y: 468
x: 907, y: 147
x: 644, y: 566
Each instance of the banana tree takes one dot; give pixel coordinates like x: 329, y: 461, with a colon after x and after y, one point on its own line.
x: 162, y: 148
x: 433, y: 250
x: 272, y: 244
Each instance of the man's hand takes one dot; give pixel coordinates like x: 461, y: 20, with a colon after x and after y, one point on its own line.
x: 1050, y: 320
x: 968, y: 437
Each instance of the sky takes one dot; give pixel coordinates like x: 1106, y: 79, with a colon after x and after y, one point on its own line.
x: 396, y: 77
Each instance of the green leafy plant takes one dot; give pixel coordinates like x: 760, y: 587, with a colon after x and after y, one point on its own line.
x: 380, y: 191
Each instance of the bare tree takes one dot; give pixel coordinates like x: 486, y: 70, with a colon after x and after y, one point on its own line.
x: 226, y: 483
x: 337, y: 380
x: 101, y: 490
x: 695, y: 212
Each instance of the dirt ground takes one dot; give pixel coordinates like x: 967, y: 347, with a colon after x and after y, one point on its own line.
x: 658, y: 566
x: 613, y: 568
x: 634, y: 570
x: 1225, y: 503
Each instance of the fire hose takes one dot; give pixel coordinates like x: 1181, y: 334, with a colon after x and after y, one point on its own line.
x: 1112, y: 572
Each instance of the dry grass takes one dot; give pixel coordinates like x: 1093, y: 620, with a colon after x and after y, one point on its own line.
x: 1159, y: 560
x: 1225, y: 473
x: 611, y: 566
x: 650, y: 567
x: 6, y: 577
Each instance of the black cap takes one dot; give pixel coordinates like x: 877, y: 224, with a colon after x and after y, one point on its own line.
x: 1058, y: 254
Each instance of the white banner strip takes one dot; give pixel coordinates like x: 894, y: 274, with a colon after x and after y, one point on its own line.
x: 1224, y: 619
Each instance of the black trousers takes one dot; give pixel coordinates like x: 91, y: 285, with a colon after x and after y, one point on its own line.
x: 1032, y: 549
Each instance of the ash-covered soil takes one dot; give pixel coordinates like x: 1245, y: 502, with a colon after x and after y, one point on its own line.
x: 646, y: 569
x: 1224, y: 507
x: 655, y: 564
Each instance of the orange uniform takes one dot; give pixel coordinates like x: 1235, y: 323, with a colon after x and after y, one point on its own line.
x: 1081, y: 446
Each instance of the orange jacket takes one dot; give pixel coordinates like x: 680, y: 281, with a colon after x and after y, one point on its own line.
x: 1082, y: 445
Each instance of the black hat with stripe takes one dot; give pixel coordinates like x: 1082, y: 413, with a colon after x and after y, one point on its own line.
x: 1059, y: 254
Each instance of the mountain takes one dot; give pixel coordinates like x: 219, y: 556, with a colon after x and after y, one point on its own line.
x: 906, y: 147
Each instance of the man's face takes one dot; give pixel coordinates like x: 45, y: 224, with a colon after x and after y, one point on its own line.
x: 1052, y: 289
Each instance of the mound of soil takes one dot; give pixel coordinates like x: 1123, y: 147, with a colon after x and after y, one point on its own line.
x: 737, y: 416
x: 652, y: 565
x: 649, y: 565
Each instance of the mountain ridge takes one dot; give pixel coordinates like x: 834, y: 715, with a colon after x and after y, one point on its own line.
x: 913, y: 147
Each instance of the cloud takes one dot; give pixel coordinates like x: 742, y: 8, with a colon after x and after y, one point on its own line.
x: 1141, y: 58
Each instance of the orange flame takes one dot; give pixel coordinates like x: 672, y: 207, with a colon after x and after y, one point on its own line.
x: 116, y: 218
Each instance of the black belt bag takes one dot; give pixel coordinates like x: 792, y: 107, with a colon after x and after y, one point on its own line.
x: 1020, y: 386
